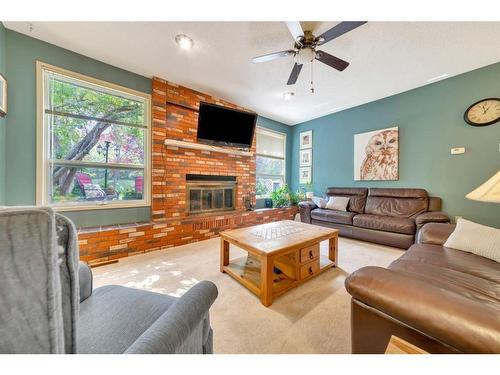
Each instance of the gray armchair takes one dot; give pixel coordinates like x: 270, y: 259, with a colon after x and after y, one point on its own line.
x: 58, y: 312
x: 116, y: 319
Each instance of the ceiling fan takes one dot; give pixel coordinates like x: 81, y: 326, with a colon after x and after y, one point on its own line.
x: 304, y: 50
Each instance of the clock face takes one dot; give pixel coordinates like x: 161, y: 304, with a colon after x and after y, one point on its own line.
x: 484, y: 112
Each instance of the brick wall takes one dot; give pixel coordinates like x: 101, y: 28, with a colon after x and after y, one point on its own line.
x: 175, y: 116
x: 179, y: 121
x: 113, y: 242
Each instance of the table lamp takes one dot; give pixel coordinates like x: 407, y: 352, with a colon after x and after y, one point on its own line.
x: 488, y: 191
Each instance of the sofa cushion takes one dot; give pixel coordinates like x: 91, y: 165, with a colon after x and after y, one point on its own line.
x: 114, y: 317
x: 385, y: 223
x: 479, y: 277
x: 333, y: 216
x: 357, y: 197
x: 396, y: 202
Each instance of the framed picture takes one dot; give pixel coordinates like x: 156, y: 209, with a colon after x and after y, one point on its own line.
x: 306, y: 139
x: 3, y: 96
x: 376, y: 155
x: 305, y: 175
x: 306, y: 157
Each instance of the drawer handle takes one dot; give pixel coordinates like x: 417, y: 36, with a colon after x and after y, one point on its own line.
x: 310, y: 270
x: 311, y: 254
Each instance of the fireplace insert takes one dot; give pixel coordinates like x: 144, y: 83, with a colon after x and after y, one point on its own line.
x: 205, y: 193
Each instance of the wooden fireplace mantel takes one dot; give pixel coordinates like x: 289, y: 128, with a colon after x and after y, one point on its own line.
x: 204, y: 147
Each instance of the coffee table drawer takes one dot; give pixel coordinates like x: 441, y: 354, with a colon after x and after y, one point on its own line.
x: 309, y: 269
x: 309, y: 253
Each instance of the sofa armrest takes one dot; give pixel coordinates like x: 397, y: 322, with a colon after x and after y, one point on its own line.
x: 466, y: 324
x: 305, y: 208
x: 434, y: 233
x: 84, y: 280
x: 183, y: 328
x: 431, y: 217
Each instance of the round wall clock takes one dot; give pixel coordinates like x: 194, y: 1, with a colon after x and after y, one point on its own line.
x: 484, y: 112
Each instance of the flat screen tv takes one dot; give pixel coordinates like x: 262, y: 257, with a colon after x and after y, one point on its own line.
x: 223, y: 126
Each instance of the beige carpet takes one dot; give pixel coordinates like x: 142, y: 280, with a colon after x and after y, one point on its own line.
x: 312, y: 318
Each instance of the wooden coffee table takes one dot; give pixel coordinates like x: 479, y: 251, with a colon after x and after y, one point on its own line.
x: 281, y: 255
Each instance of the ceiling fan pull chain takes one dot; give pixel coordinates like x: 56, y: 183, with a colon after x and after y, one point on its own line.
x: 312, y: 76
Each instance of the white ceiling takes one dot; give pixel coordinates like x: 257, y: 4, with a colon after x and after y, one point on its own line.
x: 386, y: 58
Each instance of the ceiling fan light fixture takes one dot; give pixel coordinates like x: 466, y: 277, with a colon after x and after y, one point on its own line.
x: 288, y: 95
x: 184, y: 41
x: 305, y: 55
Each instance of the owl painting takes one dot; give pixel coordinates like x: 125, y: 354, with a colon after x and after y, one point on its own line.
x: 376, y: 155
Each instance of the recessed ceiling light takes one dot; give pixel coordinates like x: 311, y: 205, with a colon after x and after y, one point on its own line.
x: 184, y: 41
x: 288, y: 95
x: 442, y: 76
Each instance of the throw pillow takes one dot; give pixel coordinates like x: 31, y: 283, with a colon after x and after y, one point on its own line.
x: 320, y: 202
x: 476, y: 239
x: 337, y: 203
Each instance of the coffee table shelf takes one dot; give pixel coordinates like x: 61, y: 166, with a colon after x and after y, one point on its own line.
x: 248, y: 269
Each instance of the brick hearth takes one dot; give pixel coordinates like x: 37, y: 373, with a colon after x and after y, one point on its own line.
x: 112, y: 242
x: 175, y: 116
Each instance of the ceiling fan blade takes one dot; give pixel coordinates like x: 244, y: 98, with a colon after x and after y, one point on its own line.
x: 272, y: 56
x: 338, y: 30
x: 295, y: 29
x: 294, y: 74
x: 332, y: 61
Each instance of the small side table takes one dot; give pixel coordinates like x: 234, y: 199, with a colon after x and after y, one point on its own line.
x: 399, y: 346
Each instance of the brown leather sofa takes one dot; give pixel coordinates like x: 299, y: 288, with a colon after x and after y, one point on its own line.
x: 439, y: 299
x: 389, y: 216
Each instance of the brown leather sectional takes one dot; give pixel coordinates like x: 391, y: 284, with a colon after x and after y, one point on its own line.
x: 439, y: 299
x: 389, y: 216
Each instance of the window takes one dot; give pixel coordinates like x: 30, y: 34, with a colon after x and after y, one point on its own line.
x: 270, y: 162
x: 93, y: 142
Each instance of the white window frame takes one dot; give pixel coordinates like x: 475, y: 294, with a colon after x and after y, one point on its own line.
x: 262, y: 129
x: 42, y: 153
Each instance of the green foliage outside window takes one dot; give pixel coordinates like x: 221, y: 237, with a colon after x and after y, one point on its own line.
x: 81, y: 120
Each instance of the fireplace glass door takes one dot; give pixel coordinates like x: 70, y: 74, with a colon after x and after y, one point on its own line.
x: 209, y: 197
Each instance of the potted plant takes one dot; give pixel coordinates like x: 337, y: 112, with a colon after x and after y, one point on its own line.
x: 308, y: 189
x: 283, y: 197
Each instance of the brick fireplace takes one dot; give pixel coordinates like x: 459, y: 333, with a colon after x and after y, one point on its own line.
x: 175, y: 171
x: 175, y: 116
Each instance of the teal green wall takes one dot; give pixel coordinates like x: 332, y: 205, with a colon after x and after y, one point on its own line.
x: 21, y: 54
x: 430, y: 121
x: 3, y: 122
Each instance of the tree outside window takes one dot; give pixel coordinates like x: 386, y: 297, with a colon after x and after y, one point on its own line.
x: 95, y: 142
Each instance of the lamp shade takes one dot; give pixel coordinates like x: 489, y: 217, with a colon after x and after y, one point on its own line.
x: 487, y: 192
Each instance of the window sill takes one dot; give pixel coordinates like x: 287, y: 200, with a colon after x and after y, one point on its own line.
x: 90, y: 207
